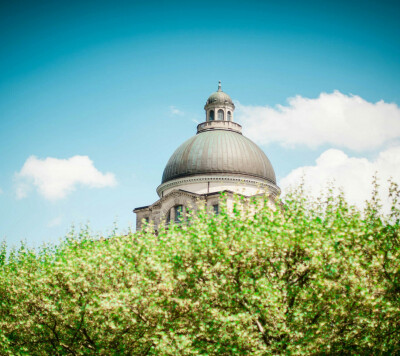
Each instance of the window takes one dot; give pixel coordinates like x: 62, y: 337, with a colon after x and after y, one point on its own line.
x: 229, y: 116
x: 178, y: 213
x: 147, y: 219
x: 220, y: 115
x: 168, y: 217
x: 215, y: 209
x: 211, y: 117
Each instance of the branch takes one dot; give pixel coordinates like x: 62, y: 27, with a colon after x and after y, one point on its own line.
x: 91, y: 342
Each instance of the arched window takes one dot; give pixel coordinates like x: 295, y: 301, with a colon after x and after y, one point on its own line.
x: 178, y: 213
x: 220, y: 115
x: 211, y: 118
x: 229, y: 116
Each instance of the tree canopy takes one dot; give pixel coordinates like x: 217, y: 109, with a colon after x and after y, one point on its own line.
x: 310, y: 277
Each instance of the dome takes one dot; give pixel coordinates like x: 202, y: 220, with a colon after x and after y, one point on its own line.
x: 219, y: 97
x: 219, y: 151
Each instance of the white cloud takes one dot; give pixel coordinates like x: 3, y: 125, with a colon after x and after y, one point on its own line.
x: 55, y: 222
x: 353, y: 175
x: 175, y: 111
x: 22, y: 189
x: 336, y: 119
x: 55, y: 178
x: 1, y: 191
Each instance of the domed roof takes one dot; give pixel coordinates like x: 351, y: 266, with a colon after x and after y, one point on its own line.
x: 219, y: 97
x: 219, y: 151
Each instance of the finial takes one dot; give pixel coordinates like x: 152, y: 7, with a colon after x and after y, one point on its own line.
x: 219, y: 86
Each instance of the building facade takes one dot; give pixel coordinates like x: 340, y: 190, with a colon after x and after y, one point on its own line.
x: 217, y: 159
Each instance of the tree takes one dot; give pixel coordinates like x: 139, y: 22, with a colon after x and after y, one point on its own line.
x: 312, y: 277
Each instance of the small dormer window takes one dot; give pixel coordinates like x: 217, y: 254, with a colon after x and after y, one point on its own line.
x: 229, y: 116
x: 220, y: 115
x: 211, y: 118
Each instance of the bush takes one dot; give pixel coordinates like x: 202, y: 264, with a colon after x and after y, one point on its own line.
x: 311, y: 277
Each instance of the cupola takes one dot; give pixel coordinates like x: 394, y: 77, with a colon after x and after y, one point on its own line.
x: 219, y: 106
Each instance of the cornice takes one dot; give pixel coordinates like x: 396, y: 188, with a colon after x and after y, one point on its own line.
x: 240, y: 179
x: 159, y: 202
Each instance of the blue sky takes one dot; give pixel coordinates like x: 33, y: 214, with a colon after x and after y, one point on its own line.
x: 101, y: 79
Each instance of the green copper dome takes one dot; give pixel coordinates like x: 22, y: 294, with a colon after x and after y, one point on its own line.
x: 219, y: 151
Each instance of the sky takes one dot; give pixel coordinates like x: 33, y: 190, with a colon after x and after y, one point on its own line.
x: 96, y: 96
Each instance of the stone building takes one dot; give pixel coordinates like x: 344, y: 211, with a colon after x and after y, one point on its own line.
x: 217, y: 159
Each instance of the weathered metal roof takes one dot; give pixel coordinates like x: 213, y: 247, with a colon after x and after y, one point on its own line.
x: 219, y: 97
x: 219, y: 151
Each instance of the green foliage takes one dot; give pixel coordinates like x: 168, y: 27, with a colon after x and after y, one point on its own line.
x: 310, y: 277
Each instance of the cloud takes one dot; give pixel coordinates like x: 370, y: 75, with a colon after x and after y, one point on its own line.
x: 175, y: 111
x: 56, y: 178
x: 55, y: 222
x: 336, y: 119
x: 352, y: 174
x: 1, y: 191
x: 22, y: 189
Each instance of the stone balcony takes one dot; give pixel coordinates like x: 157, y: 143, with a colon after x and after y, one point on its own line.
x: 219, y: 125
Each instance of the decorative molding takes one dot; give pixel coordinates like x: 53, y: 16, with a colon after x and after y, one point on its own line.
x: 273, y: 188
x: 219, y: 125
x: 174, y: 194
